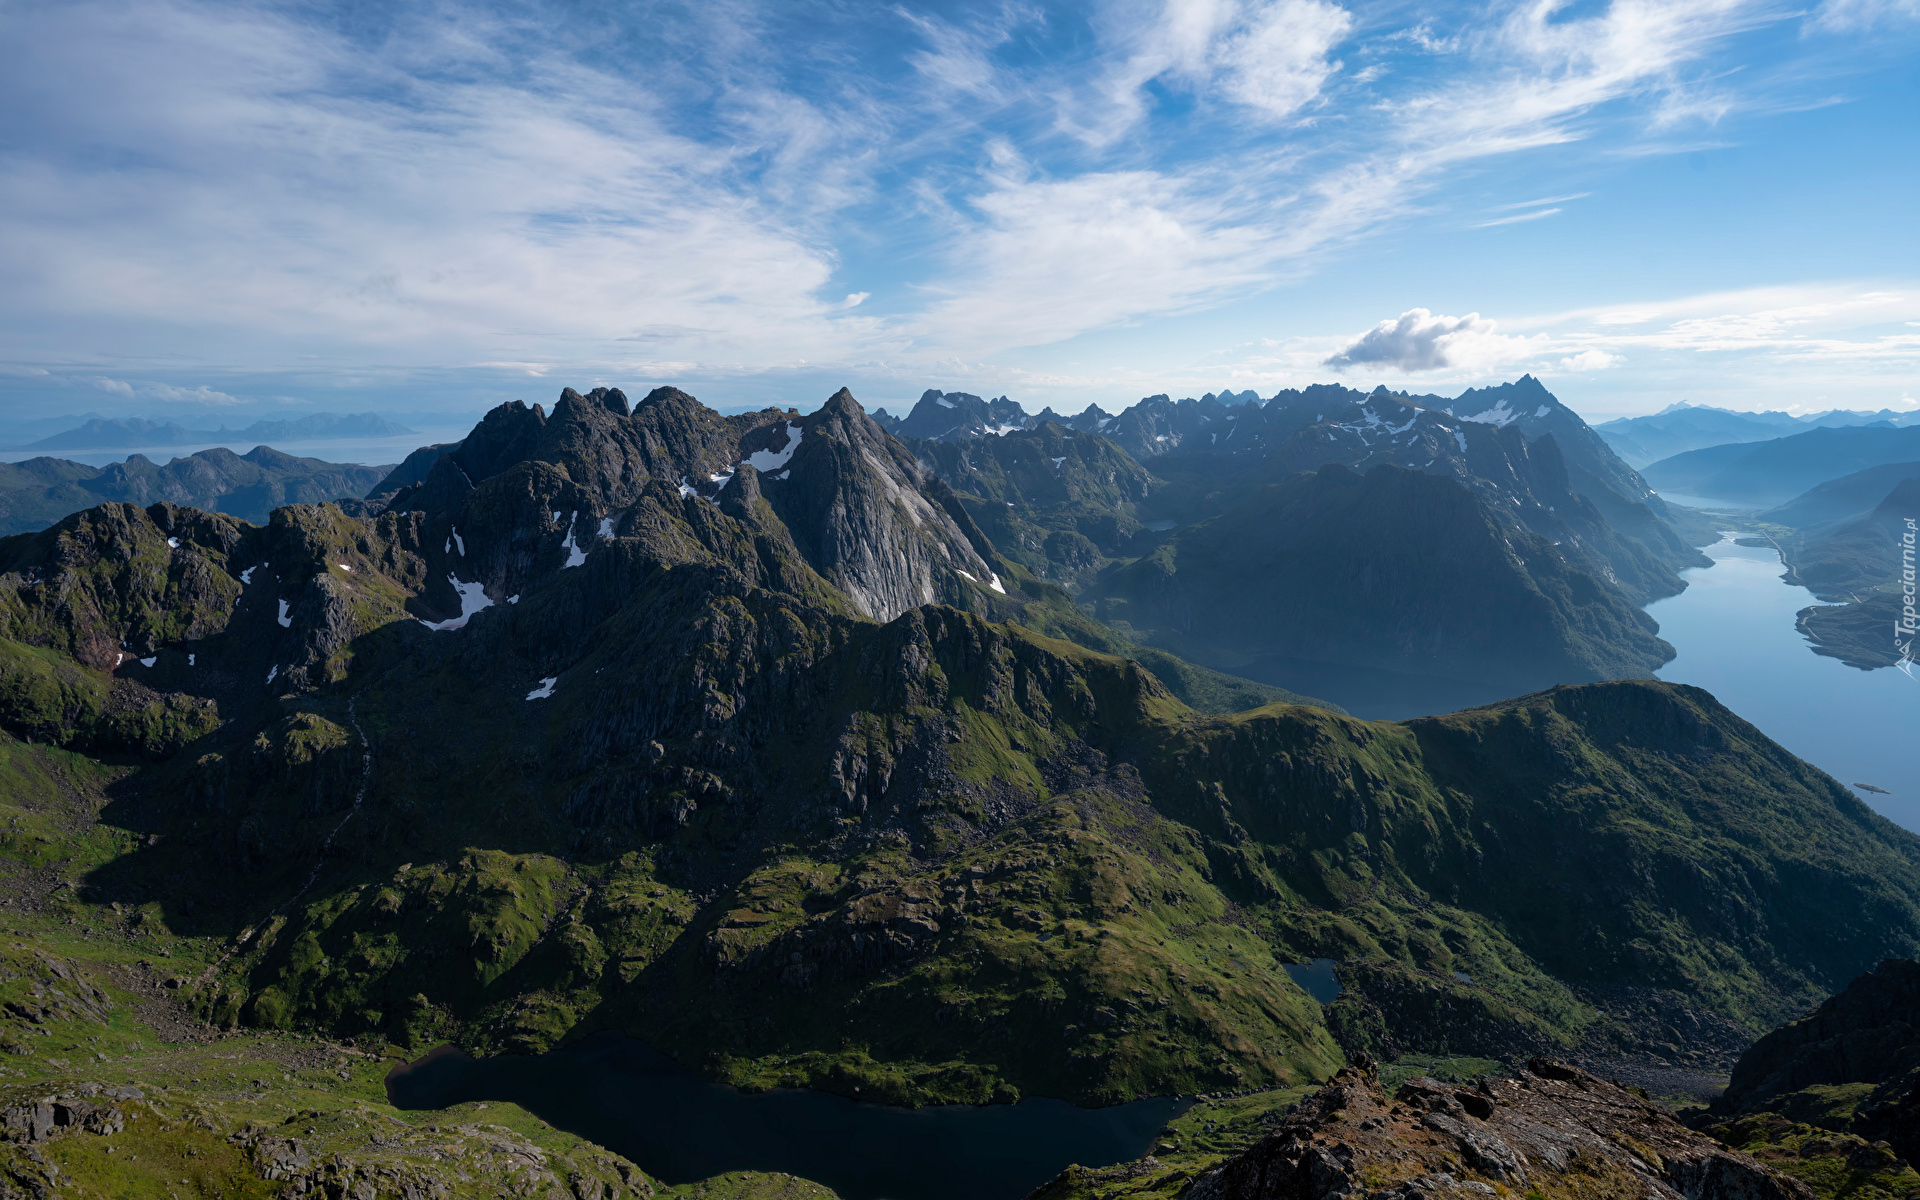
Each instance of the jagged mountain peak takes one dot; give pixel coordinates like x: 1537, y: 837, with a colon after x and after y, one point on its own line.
x: 873, y: 519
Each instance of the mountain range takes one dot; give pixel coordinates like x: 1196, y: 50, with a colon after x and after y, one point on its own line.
x: 727, y: 732
x: 40, y: 491
x: 1117, y: 509
x: 126, y: 433
x: 1642, y: 441
x: 1769, y: 473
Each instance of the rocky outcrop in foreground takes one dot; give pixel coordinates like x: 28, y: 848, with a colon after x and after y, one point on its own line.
x: 1553, y: 1130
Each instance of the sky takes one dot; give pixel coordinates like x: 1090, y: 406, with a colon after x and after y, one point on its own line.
x: 210, y: 212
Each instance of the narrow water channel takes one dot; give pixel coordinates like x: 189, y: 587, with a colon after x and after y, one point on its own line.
x: 1734, y: 630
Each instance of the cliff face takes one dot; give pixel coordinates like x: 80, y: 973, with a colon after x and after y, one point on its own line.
x: 1853, y: 1064
x: 870, y: 517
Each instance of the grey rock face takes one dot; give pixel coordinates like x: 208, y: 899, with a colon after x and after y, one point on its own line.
x: 867, y: 516
x: 1431, y: 1141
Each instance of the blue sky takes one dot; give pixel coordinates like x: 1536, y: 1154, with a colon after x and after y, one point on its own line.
x: 215, y: 210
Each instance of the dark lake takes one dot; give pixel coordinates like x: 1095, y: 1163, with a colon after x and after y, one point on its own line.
x: 679, y: 1128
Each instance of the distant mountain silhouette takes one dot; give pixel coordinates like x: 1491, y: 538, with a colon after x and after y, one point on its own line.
x: 36, y: 493
x: 1767, y: 473
x: 1847, y: 496
x: 127, y: 433
x: 1683, y: 427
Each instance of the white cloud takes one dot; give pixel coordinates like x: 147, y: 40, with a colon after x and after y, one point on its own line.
x: 1421, y: 341
x: 1269, y: 56
x: 1278, y: 59
x: 1590, y: 360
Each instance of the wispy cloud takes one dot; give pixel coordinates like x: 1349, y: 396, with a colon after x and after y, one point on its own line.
x: 745, y: 186
x: 1515, y: 220
x: 1545, y: 200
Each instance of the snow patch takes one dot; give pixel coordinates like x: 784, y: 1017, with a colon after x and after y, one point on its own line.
x: 1103, y: 422
x: 994, y: 583
x: 1004, y: 430
x: 1499, y: 414
x: 246, y: 576
x: 1057, y: 461
x: 606, y: 527
x: 773, y: 460
x: 1460, y: 435
x: 514, y: 599
x: 345, y: 567
x: 174, y: 542
x: 117, y: 660
x: 189, y: 660
x: 460, y: 542
x: 575, y: 555
x: 943, y: 402
x: 1542, y: 412
x: 272, y: 672
x: 556, y: 518
x: 784, y: 474
x: 967, y: 577
x: 545, y: 689
x: 148, y: 662
x: 473, y: 598
x: 686, y: 490
x: 286, y: 622
x: 722, y: 480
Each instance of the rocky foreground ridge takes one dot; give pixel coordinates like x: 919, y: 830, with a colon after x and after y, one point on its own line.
x: 1548, y: 1130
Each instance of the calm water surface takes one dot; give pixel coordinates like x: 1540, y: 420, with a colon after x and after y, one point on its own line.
x: 1734, y: 630
x: 679, y: 1128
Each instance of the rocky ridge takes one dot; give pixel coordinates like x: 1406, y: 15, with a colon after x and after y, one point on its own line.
x: 1547, y: 1130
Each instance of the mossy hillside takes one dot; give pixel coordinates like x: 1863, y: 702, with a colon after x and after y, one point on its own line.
x: 88, y: 1009
x: 1078, y: 918
x: 358, y: 949
x: 964, y: 664
x: 118, y: 581
x: 1837, y: 1166
x: 1751, y: 850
